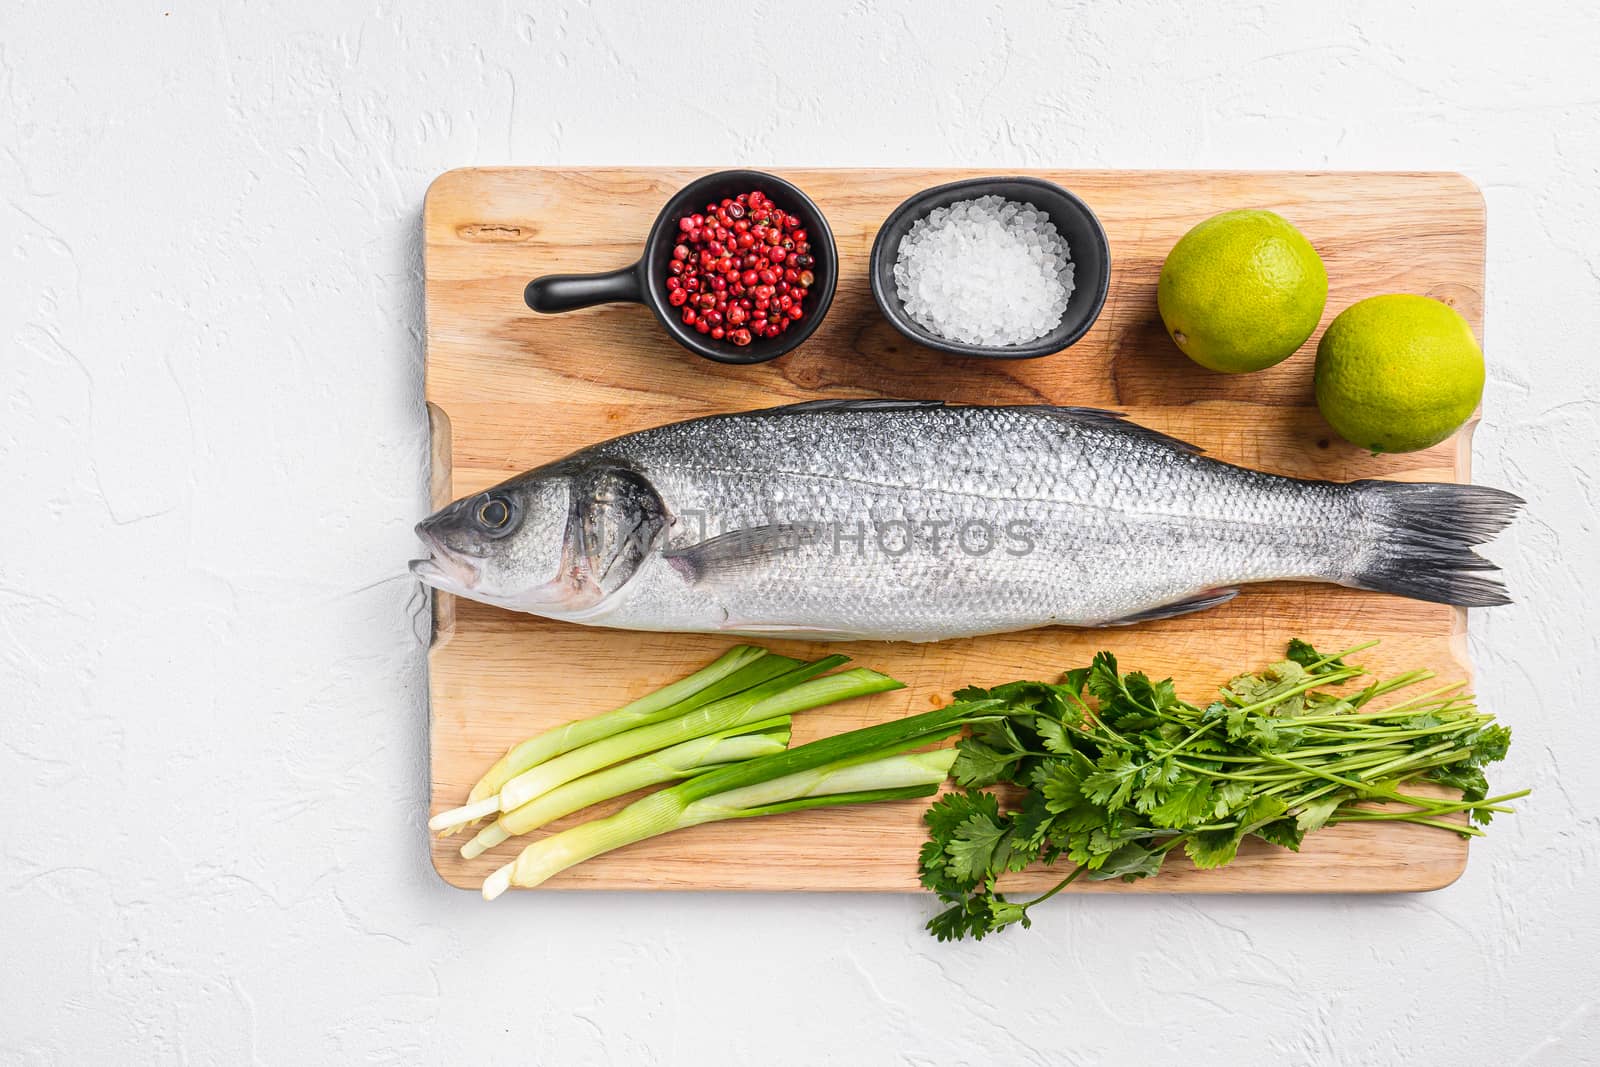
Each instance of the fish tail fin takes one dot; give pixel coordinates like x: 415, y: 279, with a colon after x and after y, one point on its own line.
x: 1421, y: 536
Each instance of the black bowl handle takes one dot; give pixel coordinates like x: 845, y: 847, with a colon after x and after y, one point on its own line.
x: 568, y: 292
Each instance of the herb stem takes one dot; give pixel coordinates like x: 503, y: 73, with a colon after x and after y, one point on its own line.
x: 1058, y: 887
x: 1401, y: 816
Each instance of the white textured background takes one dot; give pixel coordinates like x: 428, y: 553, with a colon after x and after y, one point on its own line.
x: 212, y: 712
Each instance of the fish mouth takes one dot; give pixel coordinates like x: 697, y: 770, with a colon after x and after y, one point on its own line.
x: 444, y: 568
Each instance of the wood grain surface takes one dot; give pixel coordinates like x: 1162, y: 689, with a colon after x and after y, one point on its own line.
x: 509, y: 390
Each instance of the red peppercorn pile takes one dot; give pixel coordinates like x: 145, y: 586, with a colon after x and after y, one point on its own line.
x: 741, y: 270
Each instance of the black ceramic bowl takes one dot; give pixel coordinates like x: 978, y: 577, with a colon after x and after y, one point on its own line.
x: 1086, y: 240
x: 645, y: 282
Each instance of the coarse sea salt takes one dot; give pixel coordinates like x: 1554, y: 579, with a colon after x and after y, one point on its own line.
x: 988, y: 271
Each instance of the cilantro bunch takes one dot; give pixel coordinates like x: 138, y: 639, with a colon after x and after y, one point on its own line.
x: 1116, y: 772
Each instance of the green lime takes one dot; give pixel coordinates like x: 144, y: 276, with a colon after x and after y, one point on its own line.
x: 1241, y: 291
x: 1398, y: 373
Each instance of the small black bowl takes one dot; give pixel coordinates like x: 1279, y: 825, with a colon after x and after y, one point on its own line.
x: 645, y: 282
x: 1086, y: 241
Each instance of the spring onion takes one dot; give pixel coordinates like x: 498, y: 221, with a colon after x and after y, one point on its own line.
x: 681, y: 760
x: 740, y: 668
x: 861, y: 766
x: 780, y: 696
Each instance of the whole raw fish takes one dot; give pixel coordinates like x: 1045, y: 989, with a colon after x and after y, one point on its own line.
x: 910, y: 520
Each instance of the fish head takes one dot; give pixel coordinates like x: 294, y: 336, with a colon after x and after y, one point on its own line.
x: 556, y: 541
x: 502, y: 546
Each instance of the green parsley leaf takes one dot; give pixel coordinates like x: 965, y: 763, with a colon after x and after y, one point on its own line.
x: 1113, y: 779
x: 969, y: 917
x: 1314, y: 816
x: 1211, y: 848
x: 1130, y: 862
x: 1054, y: 735
x: 1302, y: 653
x: 1003, y: 913
x: 976, y: 848
x: 1189, y: 802
x: 1112, y: 771
x: 978, y: 764
x: 1285, y: 833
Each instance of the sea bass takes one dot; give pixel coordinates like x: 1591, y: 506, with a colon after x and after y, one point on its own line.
x: 916, y: 521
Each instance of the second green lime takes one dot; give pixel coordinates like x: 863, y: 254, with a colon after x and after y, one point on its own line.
x: 1398, y: 373
x: 1241, y: 291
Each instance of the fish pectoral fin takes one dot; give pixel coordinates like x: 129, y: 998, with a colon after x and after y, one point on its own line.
x: 1199, y: 602
x: 735, y: 551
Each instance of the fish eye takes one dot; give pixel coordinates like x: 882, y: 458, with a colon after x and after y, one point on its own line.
x: 494, y: 513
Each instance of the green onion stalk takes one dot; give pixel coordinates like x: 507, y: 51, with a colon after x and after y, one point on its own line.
x: 740, y: 668
x: 679, y: 761
x: 798, y: 690
x: 861, y: 766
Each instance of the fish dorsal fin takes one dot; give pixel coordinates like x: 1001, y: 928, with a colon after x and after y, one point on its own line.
x: 862, y: 404
x: 1093, y: 417
x: 1118, y: 421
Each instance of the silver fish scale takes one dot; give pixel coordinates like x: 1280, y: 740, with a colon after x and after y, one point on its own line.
x: 1083, y: 520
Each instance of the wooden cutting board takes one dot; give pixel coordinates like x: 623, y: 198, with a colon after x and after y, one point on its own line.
x: 508, y: 390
